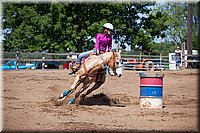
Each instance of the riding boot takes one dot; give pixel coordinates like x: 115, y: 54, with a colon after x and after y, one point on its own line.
x: 73, y: 72
x: 74, y: 69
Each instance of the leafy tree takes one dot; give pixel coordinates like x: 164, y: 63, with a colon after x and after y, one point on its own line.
x: 152, y: 28
x: 58, y: 26
x: 195, y: 26
x: 176, y: 22
x: 198, y: 21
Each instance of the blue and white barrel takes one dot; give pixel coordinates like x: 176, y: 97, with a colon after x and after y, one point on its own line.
x: 151, y: 91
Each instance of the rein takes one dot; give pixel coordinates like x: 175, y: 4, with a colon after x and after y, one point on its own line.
x: 86, y: 71
x: 113, y: 58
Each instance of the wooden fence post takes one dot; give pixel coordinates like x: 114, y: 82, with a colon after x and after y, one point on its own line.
x: 140, y: 57
x: 161, y: 61
x: 183, y: 61
x: 17, y: 59
x: 43, y: 60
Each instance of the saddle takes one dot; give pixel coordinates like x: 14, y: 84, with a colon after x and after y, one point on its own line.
x: 77, y: 66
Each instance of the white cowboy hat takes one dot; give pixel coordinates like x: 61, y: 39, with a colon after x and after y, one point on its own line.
x: 108, y: 26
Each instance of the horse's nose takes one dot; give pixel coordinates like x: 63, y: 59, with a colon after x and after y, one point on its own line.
x: 119, y: 75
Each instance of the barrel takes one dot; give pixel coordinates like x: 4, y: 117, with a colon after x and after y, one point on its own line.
x: 151, y: 90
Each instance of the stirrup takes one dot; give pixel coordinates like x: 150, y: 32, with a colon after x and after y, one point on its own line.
x: 73, y: 72
x: 76, y: 67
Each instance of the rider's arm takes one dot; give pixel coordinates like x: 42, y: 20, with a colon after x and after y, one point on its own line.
x: 97, y: 45
x: 110, y: 45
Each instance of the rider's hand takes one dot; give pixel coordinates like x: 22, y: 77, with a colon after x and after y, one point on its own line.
x: 98, y: 52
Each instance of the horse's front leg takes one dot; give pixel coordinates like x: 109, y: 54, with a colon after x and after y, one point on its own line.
x: 100, y: 79
x: 84, y: 87
x: 97, y: 84
x: 66, y: 93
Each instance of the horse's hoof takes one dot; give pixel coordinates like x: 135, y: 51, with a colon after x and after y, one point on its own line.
x: 59, y: 102
x: 71, y: 101
x: 61, y: 96
x: 64, y: 94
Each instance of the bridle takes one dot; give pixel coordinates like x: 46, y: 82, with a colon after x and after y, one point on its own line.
x: 114, y: 66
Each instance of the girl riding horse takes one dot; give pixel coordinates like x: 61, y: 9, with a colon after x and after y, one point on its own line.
x: 90, y: 71
x: 103, y: 42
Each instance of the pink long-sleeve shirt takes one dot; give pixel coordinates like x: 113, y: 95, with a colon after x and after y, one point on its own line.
x: 102, y: 42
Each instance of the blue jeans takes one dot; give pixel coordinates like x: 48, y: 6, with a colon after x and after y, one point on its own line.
x: 178, y: 59
x: 84, y: 54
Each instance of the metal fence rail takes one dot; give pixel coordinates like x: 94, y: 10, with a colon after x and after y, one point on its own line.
x: 22, y: 57
x: 130, y: 61
x: 145, y: 62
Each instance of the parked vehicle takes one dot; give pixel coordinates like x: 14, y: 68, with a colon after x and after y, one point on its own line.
x: 47, y: 65
x: 196, y: 63
x: 12, y: 64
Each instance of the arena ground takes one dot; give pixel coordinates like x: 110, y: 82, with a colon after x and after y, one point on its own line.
x: 29, y: 103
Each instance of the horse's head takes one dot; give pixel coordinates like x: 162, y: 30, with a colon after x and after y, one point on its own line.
x: 115, y: 63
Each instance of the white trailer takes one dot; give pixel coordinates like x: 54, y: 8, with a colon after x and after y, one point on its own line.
x: 184, y: 63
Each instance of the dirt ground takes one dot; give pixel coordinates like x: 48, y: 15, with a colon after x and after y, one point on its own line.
x: 29, y: 103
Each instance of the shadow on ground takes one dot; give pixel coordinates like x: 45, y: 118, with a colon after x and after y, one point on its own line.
x: 100, y: 99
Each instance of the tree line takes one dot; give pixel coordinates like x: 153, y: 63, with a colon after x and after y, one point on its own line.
x: 67, y: 26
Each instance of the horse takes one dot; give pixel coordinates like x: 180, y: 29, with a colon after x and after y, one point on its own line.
x: 93, y: 70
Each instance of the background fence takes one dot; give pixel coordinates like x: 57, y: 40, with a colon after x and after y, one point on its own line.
x: 131, y: 61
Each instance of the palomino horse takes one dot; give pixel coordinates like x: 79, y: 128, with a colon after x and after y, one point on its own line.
x: 93, y: 70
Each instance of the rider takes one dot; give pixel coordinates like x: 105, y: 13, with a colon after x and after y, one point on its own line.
x: 103, y: 41
x: 178, y: 53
